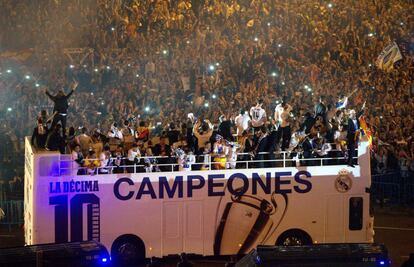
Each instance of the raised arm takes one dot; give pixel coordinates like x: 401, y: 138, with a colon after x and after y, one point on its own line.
x: 49, y: 95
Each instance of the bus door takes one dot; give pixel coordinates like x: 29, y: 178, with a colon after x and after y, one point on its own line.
x: 183, y: 227
x: 344, y: 218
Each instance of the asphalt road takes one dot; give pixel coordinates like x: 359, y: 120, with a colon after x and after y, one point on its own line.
x: 393, y: 228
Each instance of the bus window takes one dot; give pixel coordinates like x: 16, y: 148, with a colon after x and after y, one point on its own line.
x: 355, y: 213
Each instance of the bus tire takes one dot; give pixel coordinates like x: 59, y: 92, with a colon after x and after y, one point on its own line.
x: 294, y: 237
x: 128, y: 249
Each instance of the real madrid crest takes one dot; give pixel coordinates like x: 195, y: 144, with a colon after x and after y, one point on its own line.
x: 343, y: 182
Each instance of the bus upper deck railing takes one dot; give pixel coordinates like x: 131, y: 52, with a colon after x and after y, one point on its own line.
x: 280, y: 159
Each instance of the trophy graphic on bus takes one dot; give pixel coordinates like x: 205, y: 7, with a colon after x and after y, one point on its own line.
x: 246, y: 222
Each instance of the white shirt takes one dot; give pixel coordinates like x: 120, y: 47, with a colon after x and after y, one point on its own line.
x: 242, y: 123
x: 258, y: 115
x: 132, y: 154
x: 282, y: 115
x: 115, y: 133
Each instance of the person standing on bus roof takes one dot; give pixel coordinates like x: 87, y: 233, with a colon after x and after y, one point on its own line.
x: 282, y: 117
x: 353, y: 133
x: 258, y: 115
x: 60, y: 110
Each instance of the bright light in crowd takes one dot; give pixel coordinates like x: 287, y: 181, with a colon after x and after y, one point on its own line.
x: 256, y: 39
x: 9, y: 109
x: 206, y: 104
x: 129, y: 64
x: 96, y: 69
x: 102, y: 103
x: 370, y: 34
x: 108, y: 68
x: 137, y: 75
x: 401, y: 23
x: 268, y: 24
x: 305, y: 86
x: 164, y: 52
x: 279, y: 45
x: 309, y: 89
x: 277, y: 102
x: 8, y: 71
x: 71, y: 66
x: 188, y: 42
x: 84, y: 65
x: 330, y: 5
x: 283, y: 83
x: 112, y: 29
x: 37, y: 85
x: 214, y: 96
x: 147, y: 109
x: 369, y: 65
x: 211, y: 67
x: 274, y: 74
x: 27, y: 77
x: 217, y: 64
x: 104, y: 259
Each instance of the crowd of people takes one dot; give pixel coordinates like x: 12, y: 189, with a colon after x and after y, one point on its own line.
x: 151, y: 63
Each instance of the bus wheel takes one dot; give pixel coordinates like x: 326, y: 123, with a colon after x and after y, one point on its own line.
x: 128, y: 249
x: 294, y: 237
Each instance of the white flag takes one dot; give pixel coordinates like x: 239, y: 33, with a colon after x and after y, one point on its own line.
x: 388, y: 57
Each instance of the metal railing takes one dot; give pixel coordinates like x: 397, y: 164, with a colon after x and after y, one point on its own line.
x: 169, y: 163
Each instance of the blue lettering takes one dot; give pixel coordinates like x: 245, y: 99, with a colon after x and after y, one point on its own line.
x: 65, y: 187
x: 238, y: 191
x: 306, y: 183
x: 146, y: 182
x: 163, y: 183
x: 77, y: 186
x: 116, y: 189
x: 95, y: 186
x: 279, y: 182
x: 88, y: 186
x: 190, y: 185
x: 212, y: 184
x: 256, y: 179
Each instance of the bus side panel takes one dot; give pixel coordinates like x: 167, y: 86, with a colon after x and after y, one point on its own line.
x: 172, y: 227
x: 193, y: 227
x: 334, y: 229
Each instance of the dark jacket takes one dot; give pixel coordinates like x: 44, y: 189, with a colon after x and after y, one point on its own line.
x: 39, y: 140
x: 61, y: 102
x: 55, y: 142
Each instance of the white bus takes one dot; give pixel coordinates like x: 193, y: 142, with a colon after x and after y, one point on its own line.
x: 215, y: 212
